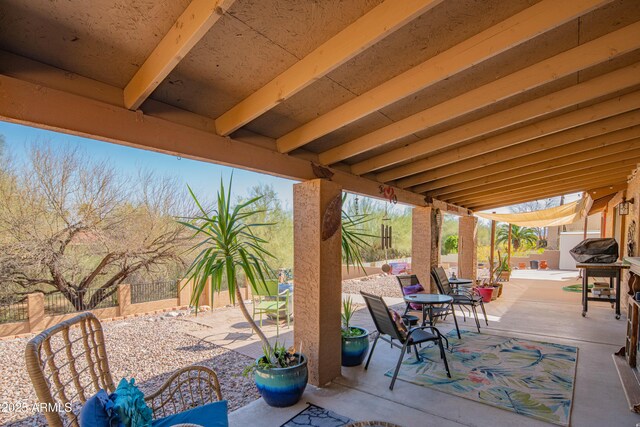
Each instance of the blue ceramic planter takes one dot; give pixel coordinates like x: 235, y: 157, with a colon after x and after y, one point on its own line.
x: 282, y: 387
x: 354, y: 349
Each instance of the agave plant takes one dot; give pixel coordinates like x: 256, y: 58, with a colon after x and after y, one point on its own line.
x: 228, y: 247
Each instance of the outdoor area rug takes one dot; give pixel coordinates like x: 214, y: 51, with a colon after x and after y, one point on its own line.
x: 530, y: 378
x: 317, y: 417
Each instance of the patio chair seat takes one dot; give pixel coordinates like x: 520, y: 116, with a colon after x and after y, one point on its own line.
x: 420, y: 336
x: 211, y: 415
x: 271, y: 305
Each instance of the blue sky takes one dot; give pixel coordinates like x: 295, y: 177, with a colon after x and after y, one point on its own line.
x: 201, y: 176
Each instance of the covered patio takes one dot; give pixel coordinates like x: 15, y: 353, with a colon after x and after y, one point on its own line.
x: 448, y: 107
x: 533, y: 307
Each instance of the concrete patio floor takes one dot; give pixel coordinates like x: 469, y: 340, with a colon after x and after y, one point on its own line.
x: 533, y: 306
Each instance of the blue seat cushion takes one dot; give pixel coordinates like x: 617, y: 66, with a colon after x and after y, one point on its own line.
x: 209, y: 415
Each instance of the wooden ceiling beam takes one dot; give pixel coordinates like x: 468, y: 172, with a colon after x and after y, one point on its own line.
x: 515, y: 30
x: 574, y: 161
x: 602, y: 49
x: 600, y: 191
x: 378, y: 23
x: 562, y: 99
x: 174, y: 132
x: 543, y: 143
x: 568, y: 185
x: 190, y: 27
x: 624, y: 158
x: 604, y: 165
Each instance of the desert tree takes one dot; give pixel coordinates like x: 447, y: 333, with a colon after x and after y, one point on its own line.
x: 69, y: 224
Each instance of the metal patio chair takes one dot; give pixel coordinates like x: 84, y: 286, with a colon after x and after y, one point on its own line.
x: 268, y: 300
x: 388, y: 331
x: 461, y: 297
x: 67, y: 367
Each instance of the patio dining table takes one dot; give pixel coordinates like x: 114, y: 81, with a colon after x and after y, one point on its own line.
x: 428, y: 301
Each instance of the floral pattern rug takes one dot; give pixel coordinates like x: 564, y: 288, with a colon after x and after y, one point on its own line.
x: 530, y: 378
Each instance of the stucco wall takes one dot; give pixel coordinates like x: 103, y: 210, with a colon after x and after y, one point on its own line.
x: 633, y: 192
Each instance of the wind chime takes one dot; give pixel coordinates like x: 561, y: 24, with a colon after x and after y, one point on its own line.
x: 386, y: 234
x: 386, y: 240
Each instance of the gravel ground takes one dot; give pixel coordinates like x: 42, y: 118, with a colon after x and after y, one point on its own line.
x: 148, y: 348
x: 386, y: 286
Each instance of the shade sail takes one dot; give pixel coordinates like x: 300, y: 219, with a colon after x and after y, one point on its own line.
x: 560, y: 215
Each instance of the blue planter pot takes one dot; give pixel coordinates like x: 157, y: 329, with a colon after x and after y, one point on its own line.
x: 282, y: 387
x: 354, y: 349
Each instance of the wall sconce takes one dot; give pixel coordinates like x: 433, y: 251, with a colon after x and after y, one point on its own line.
x: 623, y: 206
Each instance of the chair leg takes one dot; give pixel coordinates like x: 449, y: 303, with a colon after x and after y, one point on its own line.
x: 395, y: 374
x: 475, y: 315
x: 486, y: 319
x: 373, y: 347
x: 464, y: 317
x: 455, y: 320
x: 444, y: 358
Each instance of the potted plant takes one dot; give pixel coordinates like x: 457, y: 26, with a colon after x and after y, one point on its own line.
x: 504, y: 269
x: 355, y: 340
x: 281, y: 375
x: 230, y: 246
x: 486, y: 291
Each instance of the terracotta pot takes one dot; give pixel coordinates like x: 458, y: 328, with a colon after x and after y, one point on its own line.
x: 543, y: 265
x: 485, y: 293
x: 504, y: 276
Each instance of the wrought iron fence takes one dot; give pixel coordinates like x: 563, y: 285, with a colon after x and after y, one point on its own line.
x: 87, y: 299
x: 154, y: 291
x: 13, y: 308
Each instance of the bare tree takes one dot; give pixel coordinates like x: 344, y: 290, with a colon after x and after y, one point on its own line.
x: 69, y: 224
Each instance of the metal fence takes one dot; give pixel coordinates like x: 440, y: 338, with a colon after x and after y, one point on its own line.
x: 57, y: 303
x: 13, y: 308
x: 154, y: 291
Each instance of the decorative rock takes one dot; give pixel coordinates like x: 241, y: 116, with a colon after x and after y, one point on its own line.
x: 167, y: 347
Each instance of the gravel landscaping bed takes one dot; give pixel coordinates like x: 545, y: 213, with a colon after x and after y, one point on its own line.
x: 379, y: 284
x: 147, y: 348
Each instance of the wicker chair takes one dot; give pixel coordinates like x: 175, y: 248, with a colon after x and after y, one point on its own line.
x: 67, y: 367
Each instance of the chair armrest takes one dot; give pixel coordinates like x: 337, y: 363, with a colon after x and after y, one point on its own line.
x: 467, y: 293
x: 185, y: 389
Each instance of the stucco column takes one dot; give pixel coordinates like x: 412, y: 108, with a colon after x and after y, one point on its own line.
x: 468, y: 247
x: 317, y: 270
x: 425, y: 238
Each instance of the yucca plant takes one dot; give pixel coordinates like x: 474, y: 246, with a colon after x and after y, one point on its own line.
x: 353, y: 238
x: 348, y: 308
x: 228, y: 247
